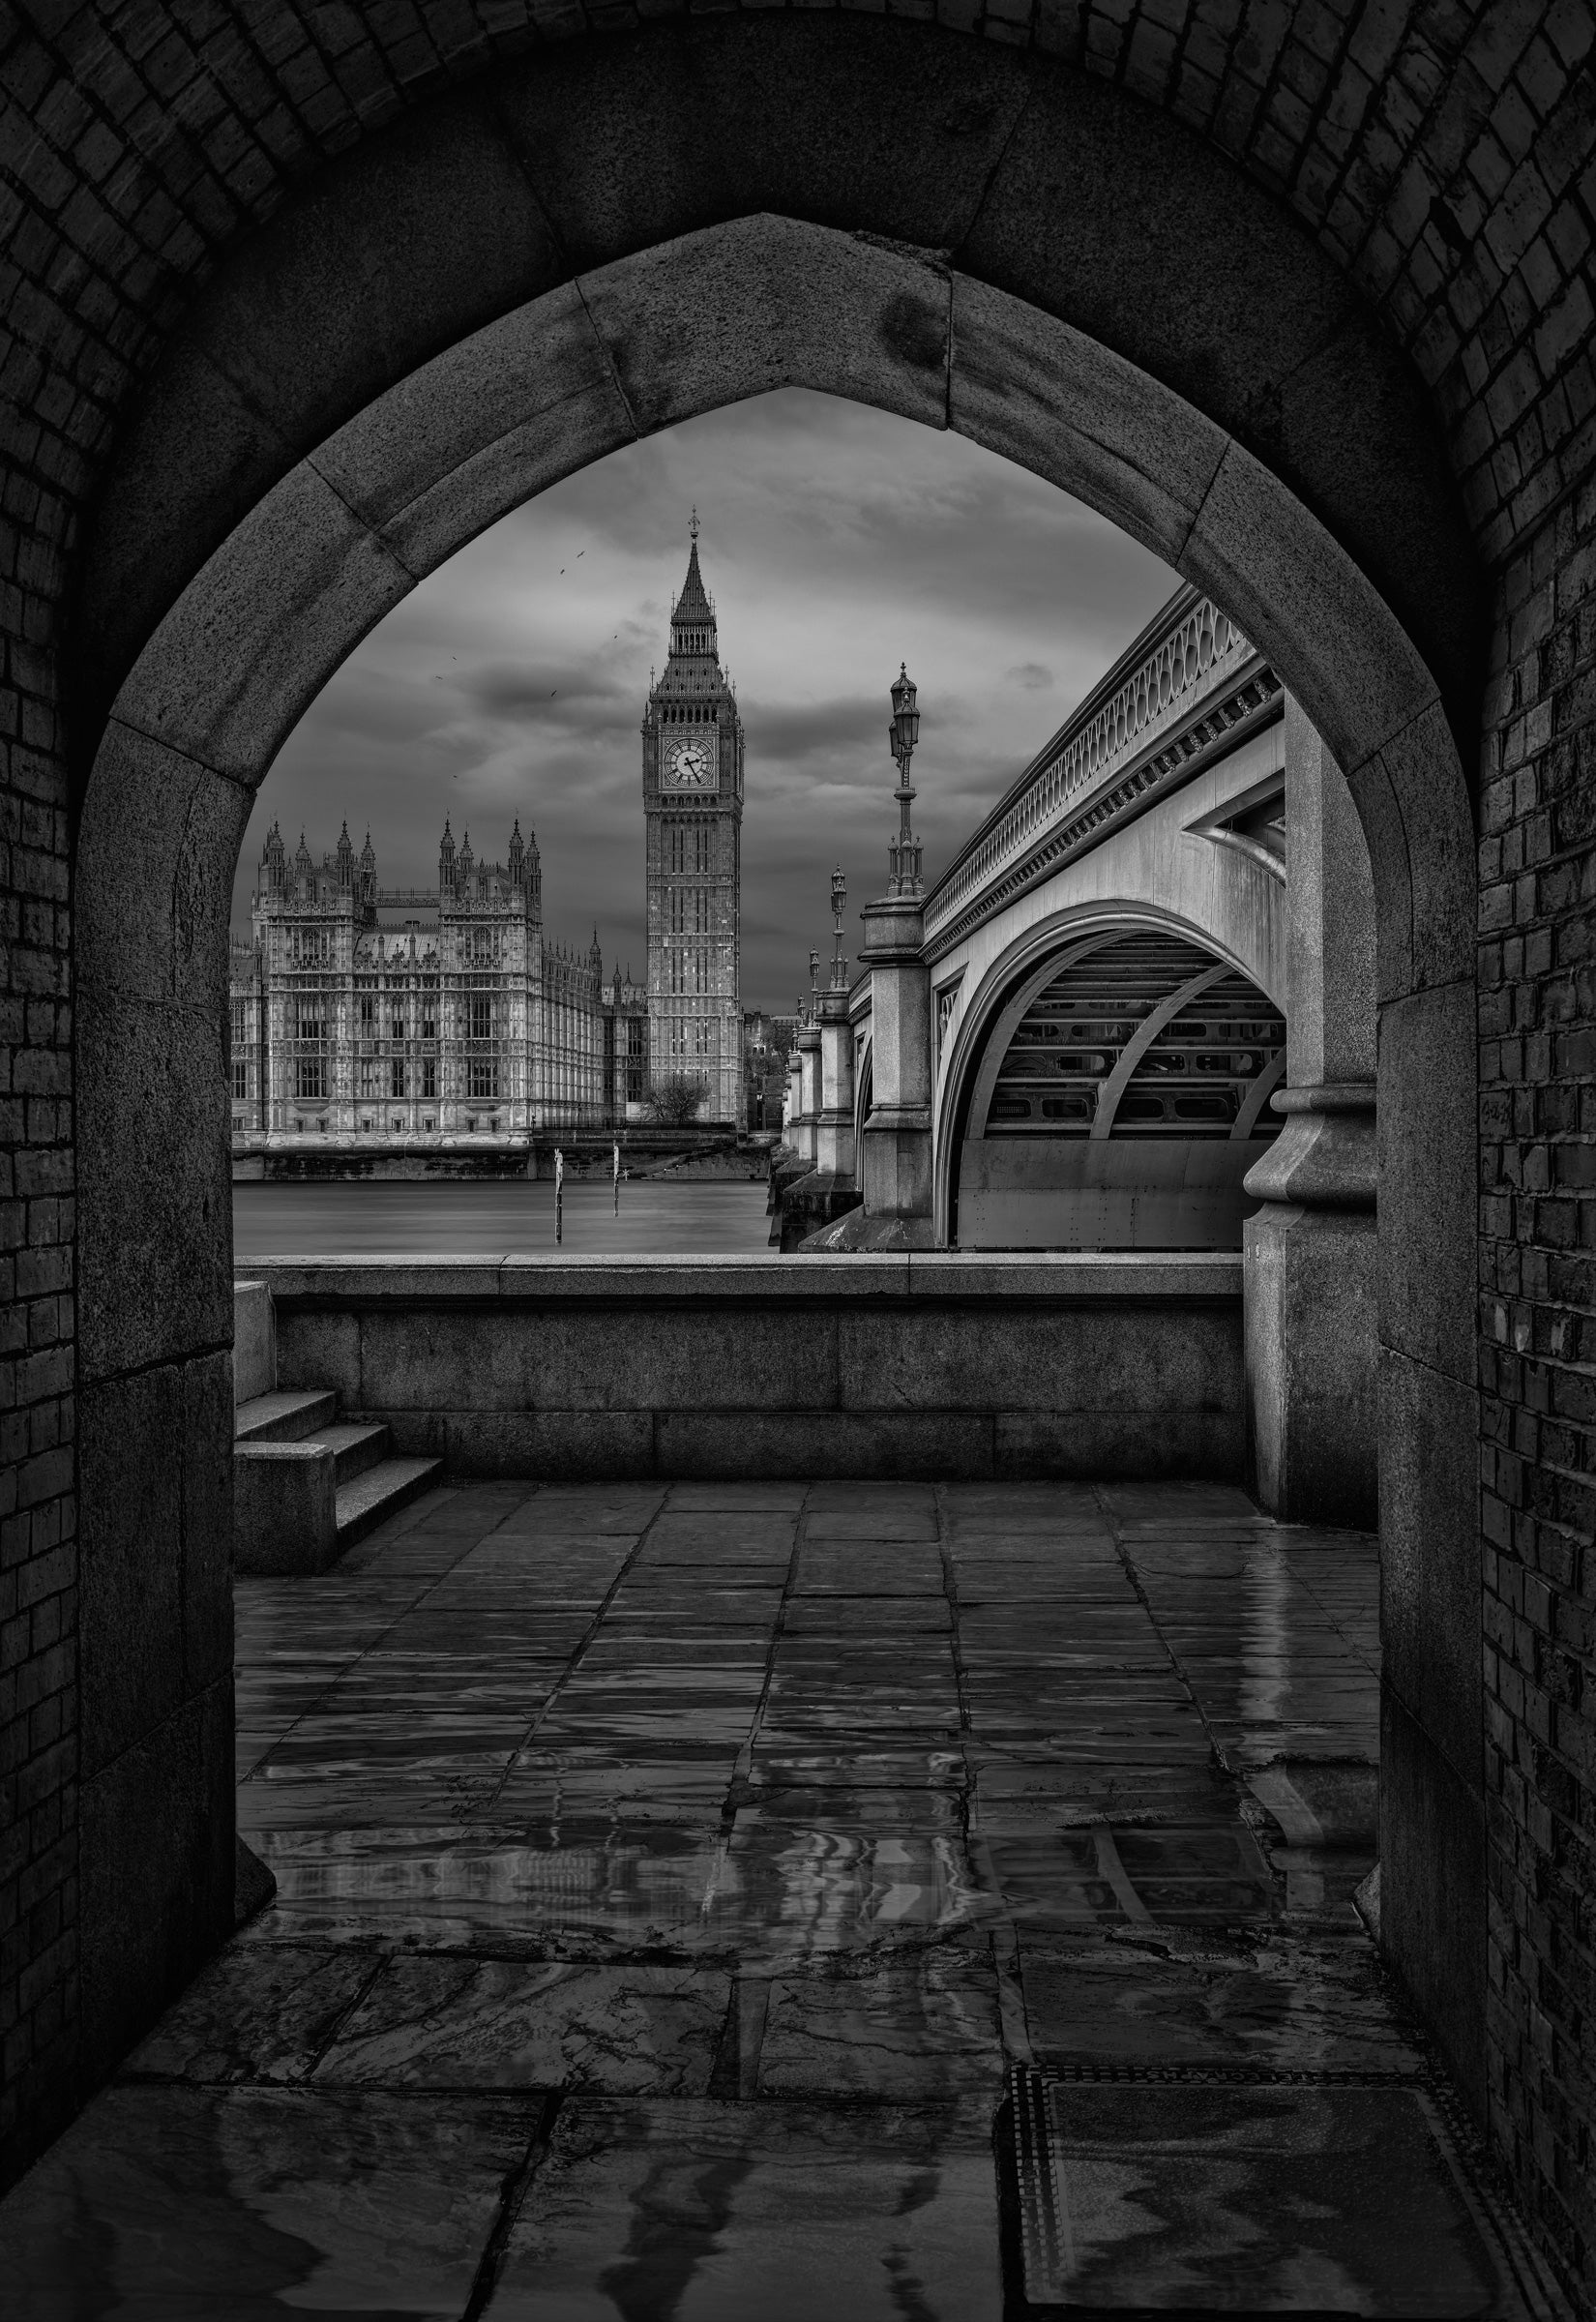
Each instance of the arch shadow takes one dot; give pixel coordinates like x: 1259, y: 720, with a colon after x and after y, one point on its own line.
x: 315, y: 560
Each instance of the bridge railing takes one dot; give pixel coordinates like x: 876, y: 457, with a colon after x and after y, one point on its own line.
x: 1191, y: 655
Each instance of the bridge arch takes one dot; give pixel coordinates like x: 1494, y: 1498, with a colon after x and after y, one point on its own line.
x: 250, y: 533
x: 1016, y: 983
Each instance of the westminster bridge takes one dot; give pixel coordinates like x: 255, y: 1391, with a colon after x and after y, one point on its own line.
x: 1136, y: 1013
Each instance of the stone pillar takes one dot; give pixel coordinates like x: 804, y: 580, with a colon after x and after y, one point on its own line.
x: 898, y: 1134
x: 834, y: 1138
x: 1310, y: 1282
x: 809, y: 1092
x: 828, y: 1194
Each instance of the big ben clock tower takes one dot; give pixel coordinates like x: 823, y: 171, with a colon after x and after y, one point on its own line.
x: 692, y: 807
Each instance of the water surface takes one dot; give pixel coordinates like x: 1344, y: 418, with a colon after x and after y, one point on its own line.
x: 360, y: 1219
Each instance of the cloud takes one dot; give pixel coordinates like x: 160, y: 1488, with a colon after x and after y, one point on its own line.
x: 838, y: 541
x: 796, y: 731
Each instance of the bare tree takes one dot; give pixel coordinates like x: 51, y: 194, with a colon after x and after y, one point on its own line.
x: 676, y: 1100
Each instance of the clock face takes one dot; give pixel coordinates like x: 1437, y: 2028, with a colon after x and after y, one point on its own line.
x: 690, y: 764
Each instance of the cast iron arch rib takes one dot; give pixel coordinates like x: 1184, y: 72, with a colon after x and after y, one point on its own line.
x: 1131, y: 1055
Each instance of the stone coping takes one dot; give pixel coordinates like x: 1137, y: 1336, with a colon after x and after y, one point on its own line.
x: 1054, y: 1278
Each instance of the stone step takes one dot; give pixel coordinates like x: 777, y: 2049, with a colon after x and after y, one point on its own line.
x: 382, y: 1490
x: 284, y: 1416
x: 356, y: 1446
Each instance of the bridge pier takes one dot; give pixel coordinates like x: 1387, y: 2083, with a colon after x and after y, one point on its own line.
x: 831, y: 1189
x: 896, y: 1165
x: 809, y: 1092
x: 1310, y: 1273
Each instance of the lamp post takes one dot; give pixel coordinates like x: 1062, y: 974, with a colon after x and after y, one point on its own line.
x: 904, y: 853
x: 839, y: 897
x: 896, y: 1164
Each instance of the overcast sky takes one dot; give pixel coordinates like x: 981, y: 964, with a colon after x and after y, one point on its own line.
x: 837, y: 542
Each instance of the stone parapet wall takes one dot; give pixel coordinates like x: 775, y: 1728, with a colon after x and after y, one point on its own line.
x: 912, y: 1365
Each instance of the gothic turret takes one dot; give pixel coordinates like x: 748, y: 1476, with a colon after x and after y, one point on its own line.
x: 272, y: 862
x: 345, y: 860
x: 368, y: 876
x: 446, y: 860
x: 517, y: 856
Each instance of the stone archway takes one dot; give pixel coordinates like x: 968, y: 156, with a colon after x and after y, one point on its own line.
x: 315, y: 558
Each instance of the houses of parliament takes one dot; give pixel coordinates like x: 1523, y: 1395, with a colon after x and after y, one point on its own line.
x: 361, y: 1011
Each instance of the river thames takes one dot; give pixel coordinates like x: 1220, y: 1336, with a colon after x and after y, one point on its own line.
x: 497, y: 1219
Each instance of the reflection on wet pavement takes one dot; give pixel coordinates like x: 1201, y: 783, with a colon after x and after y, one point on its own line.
x: 676, y: 1884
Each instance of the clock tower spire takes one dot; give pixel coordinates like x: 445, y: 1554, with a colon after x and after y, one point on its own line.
x: 692, y: 813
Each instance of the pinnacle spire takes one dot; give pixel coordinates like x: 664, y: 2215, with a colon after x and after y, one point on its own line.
x: 693, y: 606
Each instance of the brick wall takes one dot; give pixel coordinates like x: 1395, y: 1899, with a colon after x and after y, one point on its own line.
x: 1538, y: 1367
x: 37, y: 1549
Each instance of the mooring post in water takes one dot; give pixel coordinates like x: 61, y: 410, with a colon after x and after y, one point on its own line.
x: 617, y: 1177
x: 559, y: 1195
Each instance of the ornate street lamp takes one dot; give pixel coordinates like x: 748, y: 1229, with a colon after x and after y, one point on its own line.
x: 814, y: 986
x: 903, y: 852
x: 839, y: 897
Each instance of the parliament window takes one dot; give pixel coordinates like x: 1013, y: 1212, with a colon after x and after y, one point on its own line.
x: 241, y: 1077
x: 396, y: 1077
x: 481, y: 1016
x: 430, y: 1078
x: 312, y: 1078
x: 485, y: 1076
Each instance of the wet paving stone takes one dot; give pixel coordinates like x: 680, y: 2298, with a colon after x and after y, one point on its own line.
x: 466, y: 2023
x: 258, y: 2012
x: 928, y: 2029
x: 1228, y: 2002
x: 177, y: 2202
x: 783, y: 2210
x: 673, y: 1880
